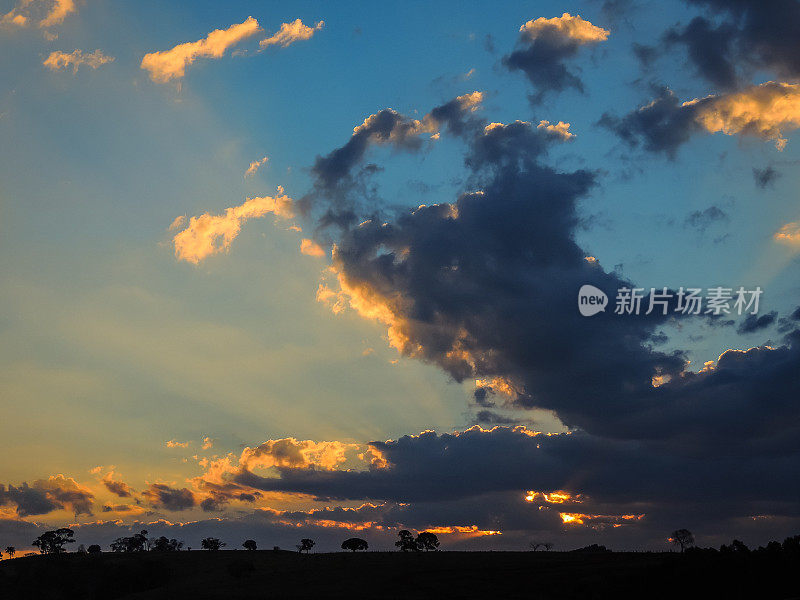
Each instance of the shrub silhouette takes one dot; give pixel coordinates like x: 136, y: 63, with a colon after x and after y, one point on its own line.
x: 249, y: 545
x: 94, y: 549
x: 11, y: 551
x: 355, y: 544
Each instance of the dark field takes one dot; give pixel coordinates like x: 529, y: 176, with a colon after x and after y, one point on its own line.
x: 269, y: 574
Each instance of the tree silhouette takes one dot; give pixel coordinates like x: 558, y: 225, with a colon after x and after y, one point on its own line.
x: 211, y: 543
x: 546, y: 545
x: 427, y: 541
x: 682, y: 538
x: 164, y: 544
x: 407, y: 543
x: 249, y: 545
x: 354, y: 544
x: 94, y: 549
x: 11, y: 551
x: 138, y: 542
x: 305, y: 544
x: 53, y: 542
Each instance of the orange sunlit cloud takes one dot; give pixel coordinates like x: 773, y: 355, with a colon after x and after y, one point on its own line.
x: 764, y: 111
x: 209, y: 234
x: 311, y: 248
x: 555, y: 497
x: 289, y: 33
x: 598, y: 521
x: 61, y: 60
x: 789, y: 234
x: 575, y: 28
x: 171, y: 64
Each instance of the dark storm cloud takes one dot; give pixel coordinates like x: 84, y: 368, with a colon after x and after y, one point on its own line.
x: 337, y: 174
x: 766, y: 111
x: 765, y: 177
x: 486, y: 288
x: 736, y: 37
x: 44, y: 496
x: 661, y: 125
x: 29, y: 501
x: 709, y: 48
x: 163, y: 496
x: 544, y: 48
x: 602, y: 475
x: 756, y: 322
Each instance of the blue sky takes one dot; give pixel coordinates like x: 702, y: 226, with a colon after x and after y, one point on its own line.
x: 112, y: 347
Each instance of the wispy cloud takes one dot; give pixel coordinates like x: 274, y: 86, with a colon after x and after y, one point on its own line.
x: 255, y: 166
x: 58, y: 13
x: 289, y: 33
x: 210, y: 234
x: 47, y: 12
x: 171, y: 64
x: 61, y: 60
x: 789, y: 234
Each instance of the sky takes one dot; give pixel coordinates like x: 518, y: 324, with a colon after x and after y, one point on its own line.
x: 305, y: 269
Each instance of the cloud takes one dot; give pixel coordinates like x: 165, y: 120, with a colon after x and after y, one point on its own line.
x: 703, y: 219
x: 162, y: 496
x: 60, y: 60
x: 117, y: 487
x: 171, y: 64
x: 289, y: 33
x: 177, y: 444
x: 311, y: 248
x: 208, y: 443
x: 757, y: 322
x: 740, y: 38
x: 177, y: 222
x: 47, y: 12
x: 576, y: 473
x: 334, y: 177
x: 57, y: 14
x: 289, y: 452
x: 763, y: 111
x: 255, y: 165
x: 765, y: 177
x: 789, y: 234
x: 211, y: 234
x: 484, y: 288
x: 44, y: 496
x: 545, y: 45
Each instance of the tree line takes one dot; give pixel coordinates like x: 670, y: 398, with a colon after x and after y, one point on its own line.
x: 57, y: 540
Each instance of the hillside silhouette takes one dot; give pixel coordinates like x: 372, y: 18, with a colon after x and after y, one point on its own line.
x: 387, y: 575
